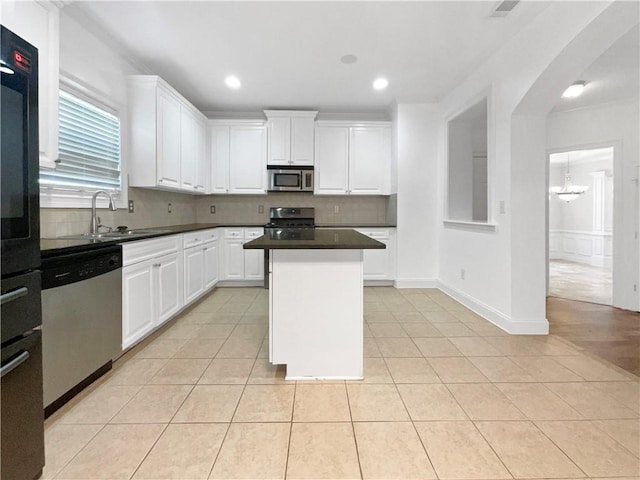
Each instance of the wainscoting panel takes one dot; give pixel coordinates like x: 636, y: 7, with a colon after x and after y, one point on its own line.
x: 590, y: 248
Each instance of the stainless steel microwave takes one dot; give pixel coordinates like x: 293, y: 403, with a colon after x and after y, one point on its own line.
x: 290, y: 179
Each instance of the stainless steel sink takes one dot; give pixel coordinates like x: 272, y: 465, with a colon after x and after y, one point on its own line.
x: 115, y: 235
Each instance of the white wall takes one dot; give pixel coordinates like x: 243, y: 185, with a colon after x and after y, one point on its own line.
x: 94, y: 63
x: 614, y: 124
x: 419, y: 209
x: 505, y: 268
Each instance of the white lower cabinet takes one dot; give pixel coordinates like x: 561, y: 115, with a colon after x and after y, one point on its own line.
x: 211, y: 254
x: 240, y: 264
x: 151, y: 286
x: 168, y: 273
x: 200, y: 263
x: 137, y: 302
x: 193, y: 273
x: 380, y: 264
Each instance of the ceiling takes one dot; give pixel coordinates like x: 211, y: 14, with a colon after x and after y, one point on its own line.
x: 287, y: 54
x: 615, y: 75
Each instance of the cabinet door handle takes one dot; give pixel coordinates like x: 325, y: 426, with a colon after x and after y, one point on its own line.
x: 15, y: 363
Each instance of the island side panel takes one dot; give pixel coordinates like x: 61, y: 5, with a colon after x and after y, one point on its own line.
x: 316, y: 309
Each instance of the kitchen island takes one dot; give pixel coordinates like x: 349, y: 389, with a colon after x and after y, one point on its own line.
x: 316, y: 301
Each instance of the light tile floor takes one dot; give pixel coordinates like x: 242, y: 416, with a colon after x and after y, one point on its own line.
x: 446, y: 395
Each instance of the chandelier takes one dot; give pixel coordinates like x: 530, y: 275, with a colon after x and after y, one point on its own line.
x: 568, y: 192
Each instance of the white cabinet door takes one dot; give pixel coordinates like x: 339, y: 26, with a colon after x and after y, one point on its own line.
x: 379, y: 264
x: 253, y: 259
x: 220, y: 159
x: 210, y: 251
x: 38, y: 23
x: 302, y: 134
x: 279, y: 148
x: 193, y: 273
x: 233, y: 260
x: 201, y: 156
x: 369, y: 161
x: 188, y: 149
x: 168, y: 286
x: 376, y: 263
x: 137, y: 302
x: 168, y: 137
x: 331, y: 160
x: 247, y: 162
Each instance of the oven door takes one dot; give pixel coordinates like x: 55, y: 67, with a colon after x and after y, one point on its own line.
x: 19, y: 202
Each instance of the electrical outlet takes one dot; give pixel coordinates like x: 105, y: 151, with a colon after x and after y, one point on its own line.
x: 169, y: 208
x: 212, y: 209
x: 336, y: 209
x: 260, y: 208
x: 130, y: 206
x: 462, y: 273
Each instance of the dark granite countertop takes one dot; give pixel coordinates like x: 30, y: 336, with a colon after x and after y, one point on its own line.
x: 354, y: 225
x: 318, y: 239
x: 51, y: 247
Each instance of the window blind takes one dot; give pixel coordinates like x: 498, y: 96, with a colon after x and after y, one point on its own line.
x: 89, y: 148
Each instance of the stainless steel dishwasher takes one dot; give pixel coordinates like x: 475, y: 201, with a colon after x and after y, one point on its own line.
x: 81, y: 320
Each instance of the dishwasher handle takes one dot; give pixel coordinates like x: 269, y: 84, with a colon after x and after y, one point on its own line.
x: 15, y: 363
x: 13, y: 295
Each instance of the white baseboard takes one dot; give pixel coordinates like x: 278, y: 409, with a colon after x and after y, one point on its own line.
x: 378, y: 283
x: 499, y: 319
x: 240, y: 283
x: 416, y: 283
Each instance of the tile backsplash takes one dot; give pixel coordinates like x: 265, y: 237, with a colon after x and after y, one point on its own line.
x: 371, y: 210
x: 151, y: 210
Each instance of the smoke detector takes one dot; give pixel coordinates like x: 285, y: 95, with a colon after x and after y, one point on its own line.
x: 503, y: 8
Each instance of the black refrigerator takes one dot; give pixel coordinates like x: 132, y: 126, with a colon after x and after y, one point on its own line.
x: 22, y: 413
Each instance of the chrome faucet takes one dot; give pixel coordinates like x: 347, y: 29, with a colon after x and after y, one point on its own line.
x: 94, y: 219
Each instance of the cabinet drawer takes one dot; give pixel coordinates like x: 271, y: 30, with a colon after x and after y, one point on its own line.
x: 378, y: 234
x: 199, y: 237
x: 234, y: 233
x: 253, y: 233
x: 134, y: 252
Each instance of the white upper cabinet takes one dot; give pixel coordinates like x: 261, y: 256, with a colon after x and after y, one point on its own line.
x: 202, y: 159
x: 238, y: 151
x: 168, y: 141
x: 167, y: 138
x: 38, y: 23
x: 290, y: 137
x: 332, y: 161
x: 353, y: 159
x: 188, y: 149
x: 369, y: 160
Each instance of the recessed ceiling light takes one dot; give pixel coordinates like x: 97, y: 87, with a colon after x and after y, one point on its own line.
x: 575, y: 90
x: 349, y: 59
x: 232, y: 82
x: 380, y: 83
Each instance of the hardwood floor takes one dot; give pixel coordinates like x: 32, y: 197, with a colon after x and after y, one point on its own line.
x: 610, y: 333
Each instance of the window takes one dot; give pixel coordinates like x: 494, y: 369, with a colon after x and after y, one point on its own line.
x: 467, y: 169
x: 89, y: 153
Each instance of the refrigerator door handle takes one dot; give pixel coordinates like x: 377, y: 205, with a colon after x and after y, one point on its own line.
x: 13, y: 295
x: 15, y: 363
